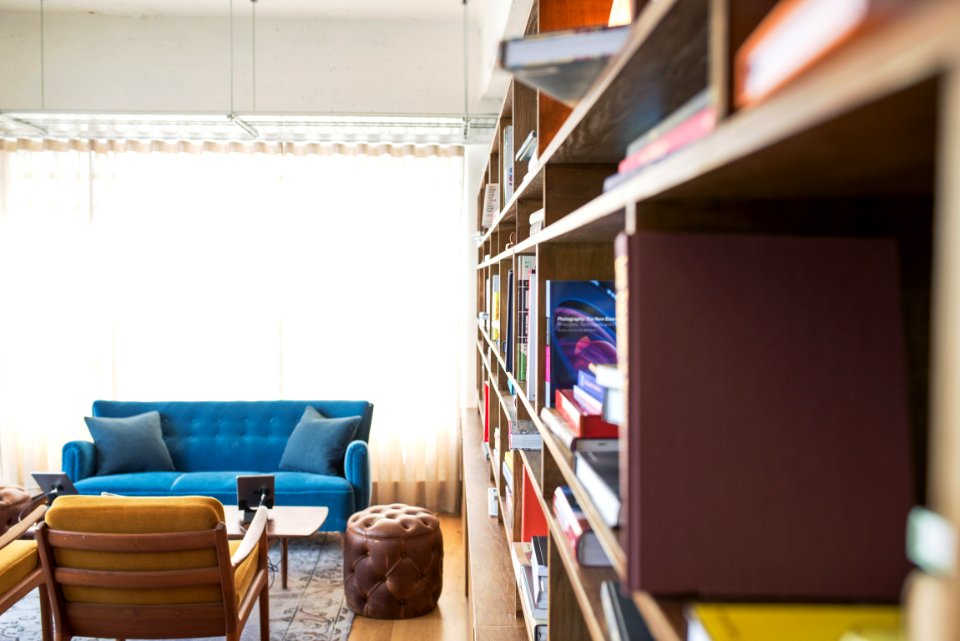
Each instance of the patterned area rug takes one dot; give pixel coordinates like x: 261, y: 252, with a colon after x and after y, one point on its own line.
x: 312, y: 609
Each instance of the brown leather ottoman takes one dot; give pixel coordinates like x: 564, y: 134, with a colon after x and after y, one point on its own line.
x: 393, y: 562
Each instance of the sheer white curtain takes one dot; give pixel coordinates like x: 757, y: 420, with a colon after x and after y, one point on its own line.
x: 181, y: 272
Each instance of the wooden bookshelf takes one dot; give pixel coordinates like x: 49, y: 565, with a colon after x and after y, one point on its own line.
x: 864, y: 144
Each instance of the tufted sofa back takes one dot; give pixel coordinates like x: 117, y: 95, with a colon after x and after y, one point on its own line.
x: 214, y: 436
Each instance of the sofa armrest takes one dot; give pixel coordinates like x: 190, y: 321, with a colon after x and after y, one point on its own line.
x: 356, y: 467
x: 79, y: 460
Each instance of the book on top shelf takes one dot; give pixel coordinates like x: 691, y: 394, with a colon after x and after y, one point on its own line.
x: 563, y: 64
x: 792, y: 622
x: 491, y: 204
x: 696, y: 118
x: 797, y: 34
x: 581, y: 330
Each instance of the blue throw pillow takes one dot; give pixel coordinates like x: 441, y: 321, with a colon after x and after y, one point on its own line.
x: 129, y: 444
x: 318, y: 444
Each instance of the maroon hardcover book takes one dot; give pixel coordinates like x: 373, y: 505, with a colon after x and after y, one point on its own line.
x: 768, y: 429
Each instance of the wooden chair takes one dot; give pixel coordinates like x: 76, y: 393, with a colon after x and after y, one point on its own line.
x: 20, y: 570
x: 136, y: 568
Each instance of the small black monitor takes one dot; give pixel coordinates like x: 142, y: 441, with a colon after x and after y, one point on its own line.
x: 54, y: 484
x: 254, y: 490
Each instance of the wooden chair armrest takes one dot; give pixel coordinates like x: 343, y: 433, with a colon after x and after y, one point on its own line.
x: 25, y: 524
x: 251, y: 538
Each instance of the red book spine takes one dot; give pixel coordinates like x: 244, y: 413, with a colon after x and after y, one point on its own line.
x: 584, y: 425
x: 533, y: 522
x: 486, y: 412
x: 694, y: 127
x: 572, y: 525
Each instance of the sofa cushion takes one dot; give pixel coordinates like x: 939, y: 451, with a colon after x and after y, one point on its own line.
x: 318, y: 443
x: 218, y: 484
x: 136, y: 484
x: 130, y: 444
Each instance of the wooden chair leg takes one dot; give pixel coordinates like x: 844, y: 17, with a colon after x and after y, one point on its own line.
x: 265, y: 614
x: 46, y: 623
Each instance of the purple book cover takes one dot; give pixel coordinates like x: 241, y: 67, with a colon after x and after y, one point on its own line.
x: 581, y: 327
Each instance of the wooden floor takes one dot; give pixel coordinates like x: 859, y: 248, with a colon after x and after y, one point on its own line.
x: 449, y: 621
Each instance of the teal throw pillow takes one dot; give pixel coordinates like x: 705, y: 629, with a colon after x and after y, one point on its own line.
x: 129, y: 444
x: 318, y: 444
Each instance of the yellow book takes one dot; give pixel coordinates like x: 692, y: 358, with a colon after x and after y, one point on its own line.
x: 733, y: 622
x: 508, y: 459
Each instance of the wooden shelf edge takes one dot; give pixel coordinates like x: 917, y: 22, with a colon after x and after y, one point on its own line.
x: 483, y: 537
x: 579, y: 578
x: 530, y: 622
x: 656, y: 619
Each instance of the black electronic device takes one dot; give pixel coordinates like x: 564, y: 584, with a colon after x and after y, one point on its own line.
x: 254, y: 490
x: 54, y: 484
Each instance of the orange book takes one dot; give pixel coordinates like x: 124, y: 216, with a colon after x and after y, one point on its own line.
x: 532, y: 520
x: 797, y: 34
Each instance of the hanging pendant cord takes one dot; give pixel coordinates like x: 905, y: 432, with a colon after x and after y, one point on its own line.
x: 466, y: 70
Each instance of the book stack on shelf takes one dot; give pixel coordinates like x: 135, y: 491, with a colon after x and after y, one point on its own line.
x: 747, y: 423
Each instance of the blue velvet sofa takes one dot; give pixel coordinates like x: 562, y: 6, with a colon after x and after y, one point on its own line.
x: 211, y: 442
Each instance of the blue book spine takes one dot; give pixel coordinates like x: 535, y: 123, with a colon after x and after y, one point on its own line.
x: 588, y: 383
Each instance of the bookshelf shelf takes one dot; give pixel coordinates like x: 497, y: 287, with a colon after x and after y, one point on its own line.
x: 862, y: 145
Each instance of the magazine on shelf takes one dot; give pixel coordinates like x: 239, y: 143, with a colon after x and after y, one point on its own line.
x: 581, y: 330
x: 563, y: 64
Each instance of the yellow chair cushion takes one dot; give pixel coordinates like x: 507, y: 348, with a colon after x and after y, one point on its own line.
x: 243, y: 576
x: 17, y: 560
x: 141, y: 515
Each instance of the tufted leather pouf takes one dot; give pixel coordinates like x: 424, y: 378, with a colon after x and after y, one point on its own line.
x: 13, y: 501
x: 393, y: 562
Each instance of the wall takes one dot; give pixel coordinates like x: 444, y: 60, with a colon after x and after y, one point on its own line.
x: 163, y: 63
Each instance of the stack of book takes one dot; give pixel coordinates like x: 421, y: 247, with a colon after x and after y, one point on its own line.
x: 524, y: 435
x: 599, y: 473
x: 580, y: 537
x: 583, y: 441
x: 538, y: 560
x: 606, y: 381
x: 522, y: 554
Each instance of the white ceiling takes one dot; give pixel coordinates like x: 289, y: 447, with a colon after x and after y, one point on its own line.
x: 338, y: 9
